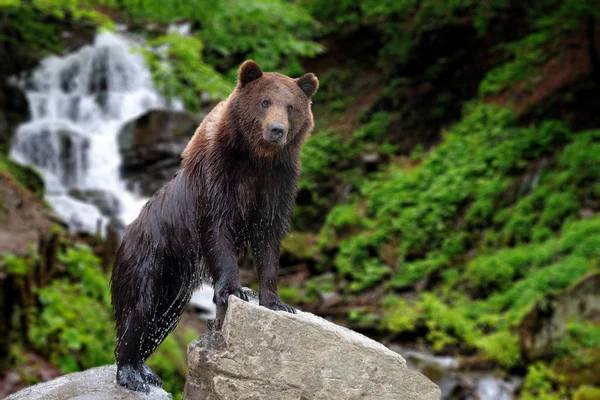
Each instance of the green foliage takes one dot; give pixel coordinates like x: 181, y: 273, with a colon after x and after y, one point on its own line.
x: 179, y: 70
x: 409, y: 273
x: 272, y: 32
x: 354, y: 261
x: 320, y: 158
x: 468, y: 174
x: 35, y: 24
x: 74, y: 325
x: 399, y: 315
x: 502, y: 347
x: 290, y: 295
x: 482, y: 189
x: 320, y: 155
x: 551, y: 21
x: 403, y: 23
x: 13, y: 265
x: 587, y: 393
x: 73, y: 328
x: 580, y: 335
x: 539, y: 384
x: 372, y: 134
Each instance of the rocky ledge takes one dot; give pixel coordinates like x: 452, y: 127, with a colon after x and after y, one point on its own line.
x: 263, y: 354
x: 92, y: 384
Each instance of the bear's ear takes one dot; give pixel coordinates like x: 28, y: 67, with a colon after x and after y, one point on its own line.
x: 308, y: 83
x: 249, y: 71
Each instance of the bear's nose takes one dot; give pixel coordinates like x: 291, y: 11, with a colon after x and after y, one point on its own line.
x: 276, y: 132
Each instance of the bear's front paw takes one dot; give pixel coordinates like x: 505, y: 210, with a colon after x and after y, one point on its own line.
x: 241, y: 294
x: 279, y: 306
x: 222, y: 295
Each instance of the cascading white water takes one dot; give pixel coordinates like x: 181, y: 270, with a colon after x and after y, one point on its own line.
x: 78, y: 104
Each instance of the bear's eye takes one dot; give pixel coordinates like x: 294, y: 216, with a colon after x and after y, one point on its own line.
x: 290, y: 108
x: 266, y: 103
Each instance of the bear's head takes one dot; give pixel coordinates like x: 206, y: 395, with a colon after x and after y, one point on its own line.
x: 272, y: 110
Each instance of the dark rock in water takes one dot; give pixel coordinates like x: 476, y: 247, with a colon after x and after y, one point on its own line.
x: 14, y: 109
x: 92, y: 384
x: 264, y: 354
x: 98, y: 79
x: 108, y: 204
x: 77, y: 35
x: 546, y: 323
x: 151, y: 147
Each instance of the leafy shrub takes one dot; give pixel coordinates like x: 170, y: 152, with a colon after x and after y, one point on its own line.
x: 399, y: 316
x: 179, y: 70
x: 539, y: 384
x: 502, y: 347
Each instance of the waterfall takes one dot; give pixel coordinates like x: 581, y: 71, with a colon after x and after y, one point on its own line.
x: 78, y: 103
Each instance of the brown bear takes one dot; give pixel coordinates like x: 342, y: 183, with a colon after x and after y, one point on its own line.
x: 235, y: 189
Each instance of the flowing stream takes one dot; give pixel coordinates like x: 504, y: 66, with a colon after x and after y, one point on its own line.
x: 446, y: 372
x: 78, y: 104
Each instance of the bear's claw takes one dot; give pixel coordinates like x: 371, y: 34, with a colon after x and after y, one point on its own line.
x: 280, y: 307
x: 221, y: 296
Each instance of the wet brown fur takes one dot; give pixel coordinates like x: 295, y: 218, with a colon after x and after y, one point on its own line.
x: 235, y: 190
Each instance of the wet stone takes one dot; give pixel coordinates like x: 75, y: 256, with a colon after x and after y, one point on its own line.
x: 264, y: 354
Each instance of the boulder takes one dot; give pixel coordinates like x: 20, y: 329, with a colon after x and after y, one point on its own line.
x: 151, y: 147
x: 14, y: 109
x: 108, y: 204
x: 546, y: 323
x: 92, y: 384
x: 264, y: 354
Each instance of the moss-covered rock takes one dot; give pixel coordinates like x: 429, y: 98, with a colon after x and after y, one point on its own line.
x: 27, y: 177
x: 548, y: 321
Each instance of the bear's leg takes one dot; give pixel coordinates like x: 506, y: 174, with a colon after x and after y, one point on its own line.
x: 266, y: 261
x: 218, y: 251
x: 128, y: 354
x: 172, y: 301
x: 144, y: 329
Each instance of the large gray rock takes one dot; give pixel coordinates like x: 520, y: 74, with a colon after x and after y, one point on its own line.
x: 151, y: 147
x: 92, y: 384
x: 263, y: 354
